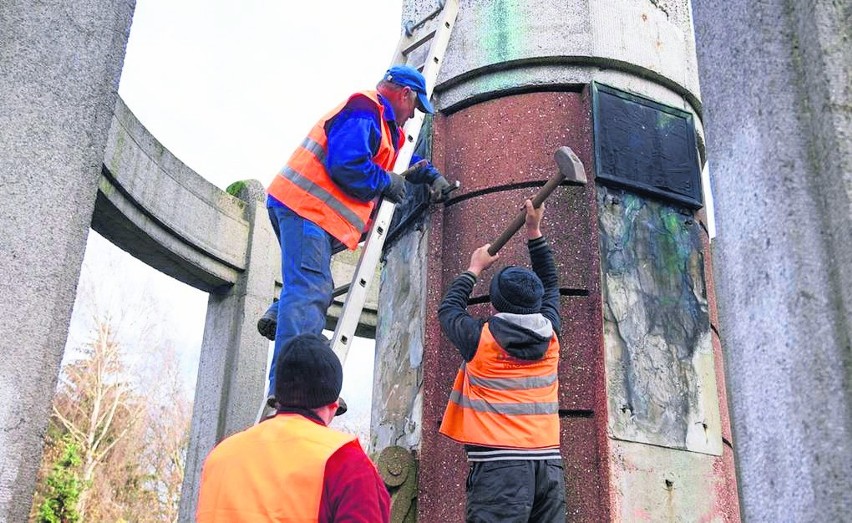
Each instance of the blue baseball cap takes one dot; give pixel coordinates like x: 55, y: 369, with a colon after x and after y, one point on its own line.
x: 408, y: 76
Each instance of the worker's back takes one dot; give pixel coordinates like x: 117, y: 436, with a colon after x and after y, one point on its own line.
x: 272, y: 471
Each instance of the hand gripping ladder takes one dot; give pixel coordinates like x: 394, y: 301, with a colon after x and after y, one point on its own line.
x: 434, y: 30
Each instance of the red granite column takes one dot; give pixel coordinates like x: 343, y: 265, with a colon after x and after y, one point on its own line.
x: 501, y: 151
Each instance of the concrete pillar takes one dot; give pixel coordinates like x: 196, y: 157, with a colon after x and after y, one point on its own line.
x: 775, y: 77
x: 232, y: 367
x: 516, y: 84
x: 60, y: 63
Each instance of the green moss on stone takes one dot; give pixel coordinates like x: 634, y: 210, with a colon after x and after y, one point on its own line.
x: 235, y: 188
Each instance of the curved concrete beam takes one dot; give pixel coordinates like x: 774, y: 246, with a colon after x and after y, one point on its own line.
x: 159, y: 210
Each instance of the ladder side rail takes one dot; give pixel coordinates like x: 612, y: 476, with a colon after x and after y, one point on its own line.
x: 439, y: 45
x: 350, y: 314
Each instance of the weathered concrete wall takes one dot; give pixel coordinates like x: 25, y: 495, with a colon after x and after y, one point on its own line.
x: 775, y: 77
x: 661, y: 374
x: 232, y: 367
x: 60, y: 64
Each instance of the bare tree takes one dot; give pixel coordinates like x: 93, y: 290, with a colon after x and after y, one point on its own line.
x: 93, y: 396
x: 166, y: 430
x: 120, y: 398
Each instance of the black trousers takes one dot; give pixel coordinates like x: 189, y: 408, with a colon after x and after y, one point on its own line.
x: 516, y: 491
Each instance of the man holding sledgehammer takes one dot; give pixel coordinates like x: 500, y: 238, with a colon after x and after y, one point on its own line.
x: 504, y: 406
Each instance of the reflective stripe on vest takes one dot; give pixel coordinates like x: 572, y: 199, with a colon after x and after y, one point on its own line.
x: 504, y: 408
x: 502, y: 401
x: 514, y: 383
x: 273, y: 471
x: 314, y: 148
x: 305, y: 186
x: 318, y: 192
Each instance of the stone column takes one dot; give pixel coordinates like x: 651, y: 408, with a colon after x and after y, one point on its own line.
x: 516, y: 84
x: 776, y: 83
x: 60, y: 63
x: 232, y: 367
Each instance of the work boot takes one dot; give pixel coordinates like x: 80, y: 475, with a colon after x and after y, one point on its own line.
x: 341, y: 407
x: 267, y: 323
x: 268, y: 410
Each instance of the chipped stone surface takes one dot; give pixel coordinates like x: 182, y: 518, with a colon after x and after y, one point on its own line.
x: 660, y: 371
x: 651, y: 483
x: 722, y: 390
x: 398, y: 374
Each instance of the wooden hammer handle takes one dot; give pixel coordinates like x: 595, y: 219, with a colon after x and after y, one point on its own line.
x: 519, y: 220
x: 570, y: 168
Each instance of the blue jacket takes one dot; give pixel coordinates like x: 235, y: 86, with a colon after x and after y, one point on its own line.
x: 353, y: 139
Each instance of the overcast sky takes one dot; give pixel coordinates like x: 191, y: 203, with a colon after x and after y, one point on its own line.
x: 231, y: 87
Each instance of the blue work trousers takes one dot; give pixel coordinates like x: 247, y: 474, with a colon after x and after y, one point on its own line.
x: 306, y: 276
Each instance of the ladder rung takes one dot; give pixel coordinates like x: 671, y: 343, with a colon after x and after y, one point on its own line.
x: 410, y: 26
x: 340, y: 291
x: 417, y: 43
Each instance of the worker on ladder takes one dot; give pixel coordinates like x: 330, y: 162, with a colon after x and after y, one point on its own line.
x: 321, y: 201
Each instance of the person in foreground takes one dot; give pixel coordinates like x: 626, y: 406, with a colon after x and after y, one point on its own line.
x: 292, y: 467
x: 321, y: 201
x: 504, y: 406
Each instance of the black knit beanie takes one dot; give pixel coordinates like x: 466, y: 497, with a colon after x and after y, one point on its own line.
x: 308, y: 374
x: 516, y: 290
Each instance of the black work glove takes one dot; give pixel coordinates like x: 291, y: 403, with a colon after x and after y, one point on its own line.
x: 439, y: 190
x: 395, y: 191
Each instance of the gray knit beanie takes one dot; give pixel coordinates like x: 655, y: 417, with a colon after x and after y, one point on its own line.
x: 516, y: 290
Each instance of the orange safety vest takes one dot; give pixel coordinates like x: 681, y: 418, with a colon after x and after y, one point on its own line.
x: 273, y: 471
x: 502, y: 401
x: 305, y: 186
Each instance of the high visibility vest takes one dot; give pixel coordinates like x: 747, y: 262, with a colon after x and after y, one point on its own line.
x: 273, y: 471
x: 502, y: 401
x: 305, y: 186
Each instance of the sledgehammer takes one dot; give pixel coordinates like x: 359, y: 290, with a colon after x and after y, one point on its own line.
x: 570, y: 168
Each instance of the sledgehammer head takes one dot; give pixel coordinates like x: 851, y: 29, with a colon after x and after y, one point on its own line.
x: 569, y: 165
